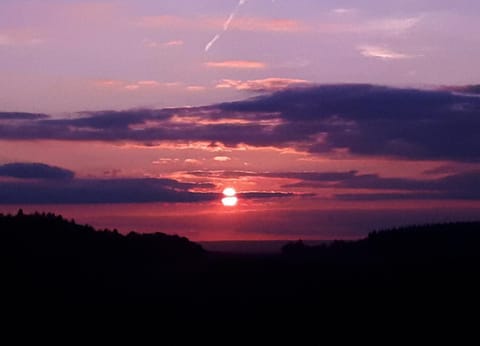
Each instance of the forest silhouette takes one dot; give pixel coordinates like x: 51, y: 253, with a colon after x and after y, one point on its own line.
x: 46, y: 258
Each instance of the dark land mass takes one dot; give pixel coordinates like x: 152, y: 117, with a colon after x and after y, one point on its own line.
x: 47, y: 260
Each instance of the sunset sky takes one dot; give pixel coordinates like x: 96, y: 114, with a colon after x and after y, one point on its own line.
x: 330, y: 118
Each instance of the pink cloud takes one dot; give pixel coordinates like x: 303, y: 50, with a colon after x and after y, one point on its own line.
x: 195, y: 88
x: 174, y: 43
x: 149, y: 83
x: 237, y: 64
x: 109, y: 83
x: 155, y: 44
x: 222, y: 158
x: 132, y: 86
x: 19, y: 38
x: 266, y: 24
x: 114, y: 83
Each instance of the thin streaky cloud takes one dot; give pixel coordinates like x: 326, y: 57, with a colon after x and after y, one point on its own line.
x: 237, y: 64
x: 394, y: 25
x: 370, y: 51
x: 174, y: 43
x: 19, y: 38
x: 261, y: 85
x: 268, y: 25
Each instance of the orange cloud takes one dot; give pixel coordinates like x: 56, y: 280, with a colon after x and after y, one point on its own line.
x: 259, y: 85
x: 266, y: 24
x: 238, y: 64
x: 174, y: 43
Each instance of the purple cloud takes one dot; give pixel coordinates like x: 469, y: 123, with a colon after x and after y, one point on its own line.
x: 361, y: 119
x: 35, y: 171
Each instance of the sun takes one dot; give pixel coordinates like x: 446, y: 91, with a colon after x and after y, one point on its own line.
x: 229, y: 192
x: 229, y: 200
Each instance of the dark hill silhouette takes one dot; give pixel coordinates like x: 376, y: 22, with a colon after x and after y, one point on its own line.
x: 419, y: 243
x: 39, y: 235
x: 45, y: 258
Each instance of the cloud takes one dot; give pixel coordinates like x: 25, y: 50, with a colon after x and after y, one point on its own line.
x: 19, y: 38
x: 132, y: 86
x: 165, y: 21
x: 148, y: 83
x: 268, y: 25
x: 343, y: 11
x: 196, y: 88
x: 79, y: 191
x: 128, y: 85
x: 149, y: 43
x: 174, y: 43
x: 261, y: 85
x: 35, y: 171
x: 21, y: 116
x: 261, y: 195
x: 54, y: 185
x: 465, y: 89
x: 356, y: 119
x: 394, y: 25
x: 461, y: 186
x: 240, y: 23
x: 222, y: 158
x: 382, y: 53
x: 236, y: 64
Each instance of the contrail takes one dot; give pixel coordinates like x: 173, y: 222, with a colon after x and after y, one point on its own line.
x: 212, y: 42
x: 226, y: 25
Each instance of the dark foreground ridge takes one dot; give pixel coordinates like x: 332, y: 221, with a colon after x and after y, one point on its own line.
x: 45, y: 258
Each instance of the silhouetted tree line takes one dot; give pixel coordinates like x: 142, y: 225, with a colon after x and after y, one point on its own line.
x: 47, y: 234
x: 418, y: 243
x: 45, y: 258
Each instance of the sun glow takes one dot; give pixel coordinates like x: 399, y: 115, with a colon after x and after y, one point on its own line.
x: 229, y: 200
x: 229, y: 192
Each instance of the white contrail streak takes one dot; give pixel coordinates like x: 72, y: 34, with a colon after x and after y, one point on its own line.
x: 212, y: 42
x: 226, y: 25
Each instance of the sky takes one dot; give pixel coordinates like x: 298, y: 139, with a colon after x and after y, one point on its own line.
x: 330, y: 118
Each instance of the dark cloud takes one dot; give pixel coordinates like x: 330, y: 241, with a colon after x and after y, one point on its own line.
x: 467, y: 89
x: 34, y: 171
x: 361, y: 119
x: 464, y: 186
x: 261, y: 195
x: 57, y: 186
x: 78, y: 191
x: 21, y: 116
